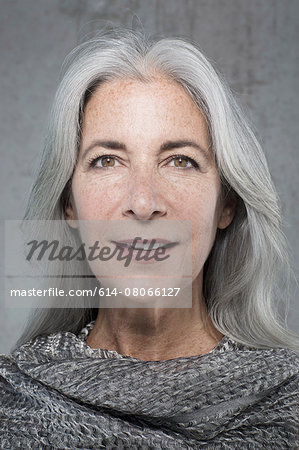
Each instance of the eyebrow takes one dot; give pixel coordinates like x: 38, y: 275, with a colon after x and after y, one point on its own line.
x: 168, y: 145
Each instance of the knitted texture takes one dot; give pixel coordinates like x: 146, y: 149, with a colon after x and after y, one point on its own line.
x: 57, y: 392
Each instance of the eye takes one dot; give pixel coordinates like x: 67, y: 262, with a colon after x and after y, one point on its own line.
x: 102, y: 161
x: 108, y: 161
x: 182, y: 161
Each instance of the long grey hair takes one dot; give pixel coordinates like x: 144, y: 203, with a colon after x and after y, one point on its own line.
x: 242, y: 270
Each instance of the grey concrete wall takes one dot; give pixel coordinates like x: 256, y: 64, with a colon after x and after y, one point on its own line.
x: 253, y: 42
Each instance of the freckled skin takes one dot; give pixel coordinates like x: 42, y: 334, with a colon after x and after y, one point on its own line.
x: 147, y: 185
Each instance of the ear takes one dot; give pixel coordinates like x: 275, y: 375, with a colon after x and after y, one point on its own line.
x: 228, y: 211
x: 70, y: 214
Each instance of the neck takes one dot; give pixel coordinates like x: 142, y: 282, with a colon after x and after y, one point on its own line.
x: 156, y: 333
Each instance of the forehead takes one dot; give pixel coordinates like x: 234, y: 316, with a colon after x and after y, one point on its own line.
x: 131, y: 86
x: 144, y: 115
x: 160, y: 96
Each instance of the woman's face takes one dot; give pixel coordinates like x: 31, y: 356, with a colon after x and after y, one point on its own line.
x: 127, y: 168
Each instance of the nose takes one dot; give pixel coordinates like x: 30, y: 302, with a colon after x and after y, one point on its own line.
x: 143, y: 200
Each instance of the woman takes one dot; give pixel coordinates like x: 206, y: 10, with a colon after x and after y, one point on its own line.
x: 145, y: 131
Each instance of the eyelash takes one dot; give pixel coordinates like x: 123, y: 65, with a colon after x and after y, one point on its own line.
x: 92, y: 162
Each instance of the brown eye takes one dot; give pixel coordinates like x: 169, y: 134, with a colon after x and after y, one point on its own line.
x: 100, y: 162
x: 182, y: 161
x: 107, y: 161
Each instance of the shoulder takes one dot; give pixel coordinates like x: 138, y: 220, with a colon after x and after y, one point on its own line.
x: 272, y: 375
x: 259, y: 389
x: 21, y: 411
x: 8, y: 368
x: 12, y: 382
x: 281, y: 361
x: 262, y: 372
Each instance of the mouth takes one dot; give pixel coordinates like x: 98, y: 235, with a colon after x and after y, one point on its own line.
x: 145, y: 244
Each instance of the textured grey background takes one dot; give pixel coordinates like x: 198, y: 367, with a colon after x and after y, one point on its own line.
x: 254, y: 43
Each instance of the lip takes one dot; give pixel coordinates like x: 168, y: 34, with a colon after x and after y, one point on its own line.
x: 125, y: 243
x: 130, y: 241
x: 149, y: 241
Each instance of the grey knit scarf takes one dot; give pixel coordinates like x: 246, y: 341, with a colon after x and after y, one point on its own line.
x: 57, y: 392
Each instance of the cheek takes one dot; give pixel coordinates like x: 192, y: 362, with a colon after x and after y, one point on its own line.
x: 202, y: 208
x: 204, y: 225
x: 93, y: 201
x: 204, y: 219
